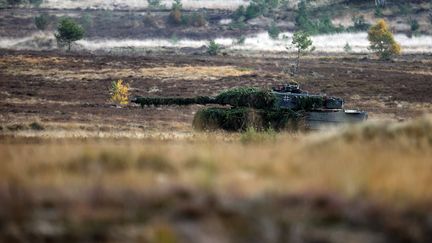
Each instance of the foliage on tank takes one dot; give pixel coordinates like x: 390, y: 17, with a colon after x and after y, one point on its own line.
x: 236, y: 97
x: 239, y: 119
x: 249, y: 107
x: 308, y: 103
x: 158, y: 101
x: 247, y: 97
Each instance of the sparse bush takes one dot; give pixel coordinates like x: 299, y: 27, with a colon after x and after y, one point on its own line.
x: 176, y: 16
x: 273, y: 31
x: 404, y: 9
x: 305, y: 23
x: 238, y: 13
x: 347, y: 48
x: 302, y: 19
x: 68, y: 31
x: 241, y: 40
x: 150, y: 20
x: 414, y: 25
x: 378, y: 12
x: 238, y: 24
x: 42, y: 21
x: 36, y: 126
x: 174, y: 39
x: 213, y: 48
x: 430, y: 16
x: 382, y: 41
x: 252, y: 11
x: 325, y: 26
x: 119, y: 92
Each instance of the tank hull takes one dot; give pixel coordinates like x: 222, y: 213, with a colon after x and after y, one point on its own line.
x: 318, y: 120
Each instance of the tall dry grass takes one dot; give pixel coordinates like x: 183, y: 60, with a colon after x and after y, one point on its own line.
x: 274, y: 188
x: 379, y: 161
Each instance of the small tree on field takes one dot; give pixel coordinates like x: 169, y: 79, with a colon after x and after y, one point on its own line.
x: 382, y: 41
x: 69, y: 31
x: 119, y: 92
x: 303, y: 44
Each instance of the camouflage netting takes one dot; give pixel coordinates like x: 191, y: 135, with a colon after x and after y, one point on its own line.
x: 157, y: 101
x: 237, y: 97
x: 239, y: 119
x: 308, y: 103
x: 247, y: 97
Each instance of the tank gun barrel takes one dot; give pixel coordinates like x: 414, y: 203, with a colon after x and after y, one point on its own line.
x: 237, y: 97
x: 159, y: 101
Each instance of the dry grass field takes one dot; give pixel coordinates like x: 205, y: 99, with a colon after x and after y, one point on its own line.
x: 75, y: 168
x: 369, y: 183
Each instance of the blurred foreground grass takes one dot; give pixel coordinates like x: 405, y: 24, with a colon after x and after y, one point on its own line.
x: 369, y: 183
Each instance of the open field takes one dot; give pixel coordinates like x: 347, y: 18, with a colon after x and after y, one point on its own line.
x: 75, y: 167
x: 70, y: 91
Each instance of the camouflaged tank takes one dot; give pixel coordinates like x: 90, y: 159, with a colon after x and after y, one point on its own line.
x: 281, y: 108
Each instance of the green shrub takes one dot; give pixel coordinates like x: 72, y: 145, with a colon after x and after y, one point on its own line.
x: 378, y: 12
x: 241, y: 40
x: 36, y: 126
x: 273, y: 31
x: 305, y: 23
x: 174, y: 39
x: 405, y: 9
x: 252, y: 11
x: 238, y: 13
x: 347, y: 48
x: 414, y: 24
x: 213, y: 48
x: 238, y: 24
x: 302, y: 19
x: 42, y: 21
x: 154, y: 4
